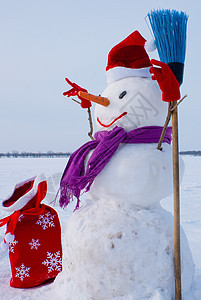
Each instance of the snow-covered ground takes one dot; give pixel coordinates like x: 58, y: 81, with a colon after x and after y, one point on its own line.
x: 14, y: 170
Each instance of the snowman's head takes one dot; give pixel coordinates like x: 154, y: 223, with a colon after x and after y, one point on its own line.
x: 134, y: 102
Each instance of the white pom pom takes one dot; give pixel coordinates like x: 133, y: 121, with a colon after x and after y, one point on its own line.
x: 9, y: 238
x: 150, y: 46
x: 4, y: 246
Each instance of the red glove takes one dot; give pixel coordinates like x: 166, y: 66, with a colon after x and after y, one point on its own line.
x: 166, y: 80
x: 74, y: 92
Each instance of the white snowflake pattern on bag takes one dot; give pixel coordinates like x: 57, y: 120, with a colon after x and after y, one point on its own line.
x: 53, y: 261
x: 34, y: 244
x: 46, y: 220
x: 12, y: 246
x: 22, y: 272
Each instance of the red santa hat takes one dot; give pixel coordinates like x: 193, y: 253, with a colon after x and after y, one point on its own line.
x: 128, y: 58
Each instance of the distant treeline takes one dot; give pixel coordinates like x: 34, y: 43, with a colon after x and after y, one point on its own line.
x: 16, y: 154
x: 194, y: 153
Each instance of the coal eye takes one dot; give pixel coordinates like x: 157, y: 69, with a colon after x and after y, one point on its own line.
x: 122, y: 94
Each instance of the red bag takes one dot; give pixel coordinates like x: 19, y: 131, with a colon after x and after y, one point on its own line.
x: 33, y: 235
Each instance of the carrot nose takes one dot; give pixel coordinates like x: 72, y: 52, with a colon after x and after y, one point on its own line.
x: 97, y: 99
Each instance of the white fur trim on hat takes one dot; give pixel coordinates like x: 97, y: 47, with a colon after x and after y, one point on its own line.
x: 118, y: 73
x: 150, y: 45
x: 22, y: 201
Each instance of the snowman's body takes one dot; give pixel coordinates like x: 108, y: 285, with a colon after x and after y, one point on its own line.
x: 119, y: 244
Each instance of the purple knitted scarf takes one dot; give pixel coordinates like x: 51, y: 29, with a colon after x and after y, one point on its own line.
x: 76, y: 178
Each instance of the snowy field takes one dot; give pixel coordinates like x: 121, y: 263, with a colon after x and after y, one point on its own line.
x: 14, y: 170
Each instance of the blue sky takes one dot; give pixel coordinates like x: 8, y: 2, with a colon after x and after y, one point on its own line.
x: 42, y: 42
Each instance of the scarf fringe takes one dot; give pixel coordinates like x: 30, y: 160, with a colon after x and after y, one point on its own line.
x: 69, y: 192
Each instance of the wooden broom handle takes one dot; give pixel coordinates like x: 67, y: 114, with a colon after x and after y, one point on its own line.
x: 175, y: 158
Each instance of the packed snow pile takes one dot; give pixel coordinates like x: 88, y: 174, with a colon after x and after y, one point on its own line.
x: 120, y: 254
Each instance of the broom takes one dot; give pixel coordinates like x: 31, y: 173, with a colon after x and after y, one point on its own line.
x: 169, y: 30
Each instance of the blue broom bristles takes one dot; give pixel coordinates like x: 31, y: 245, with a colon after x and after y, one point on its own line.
x: 169, y: 30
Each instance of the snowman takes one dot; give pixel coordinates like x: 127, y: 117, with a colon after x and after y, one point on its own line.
x: 119, y: 243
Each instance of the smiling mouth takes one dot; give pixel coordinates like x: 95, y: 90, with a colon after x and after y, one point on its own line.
x: 108, y: 125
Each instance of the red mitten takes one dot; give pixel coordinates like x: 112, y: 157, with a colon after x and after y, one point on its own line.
x: 166, y: 81
x: 74, y: 92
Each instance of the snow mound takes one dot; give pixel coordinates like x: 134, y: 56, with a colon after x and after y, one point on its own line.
x: 126, y: 254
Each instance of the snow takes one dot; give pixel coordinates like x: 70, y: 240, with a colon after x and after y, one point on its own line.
x: 16, y: 170
x: 116, y: 253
